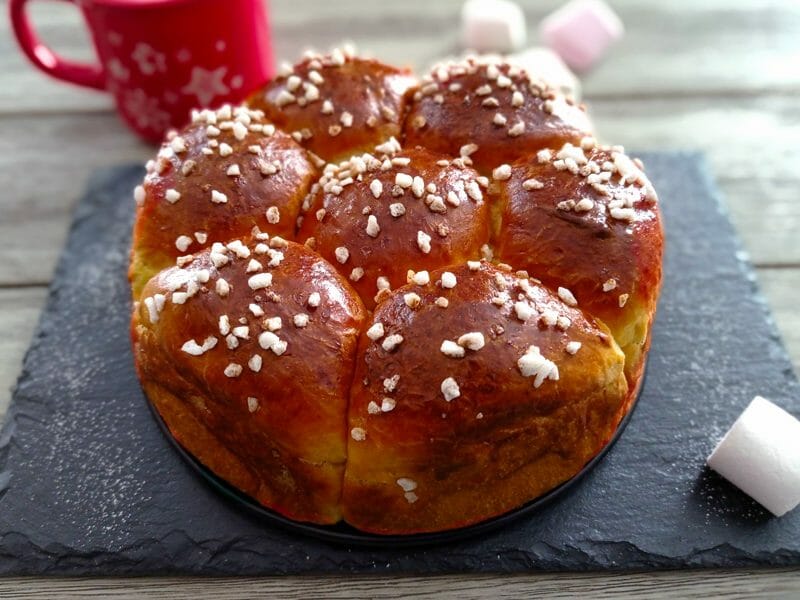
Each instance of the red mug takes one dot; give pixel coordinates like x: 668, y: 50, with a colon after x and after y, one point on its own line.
x: 162, y: 58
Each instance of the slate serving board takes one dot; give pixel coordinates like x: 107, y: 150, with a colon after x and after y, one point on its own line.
x: 90, y: 485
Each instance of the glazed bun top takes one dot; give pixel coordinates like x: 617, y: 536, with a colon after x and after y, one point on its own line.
x: 258, y: 340
x: 485, y: 371
x: 585, y: 217
x: 491, y: 111
x: 337, y: 105
x: 381, y: 220
x: 224, y: 174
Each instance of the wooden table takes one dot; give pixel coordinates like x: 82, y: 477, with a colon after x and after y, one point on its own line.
x: 716, y: 75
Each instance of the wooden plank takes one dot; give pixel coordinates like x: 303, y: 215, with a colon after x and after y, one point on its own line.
x: 46, y: 162
x: 780, y: 287
x: 19, y: 313
x: 766, y: 213
x: 674, y: 584
x: 24, y: 88
x: 671, y: 48
x: 744, y: 138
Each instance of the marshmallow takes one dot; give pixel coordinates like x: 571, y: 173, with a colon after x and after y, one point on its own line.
x: 492, y: 26
x: 543, y: 63
x: 581, y: 31
x: 761, y: 456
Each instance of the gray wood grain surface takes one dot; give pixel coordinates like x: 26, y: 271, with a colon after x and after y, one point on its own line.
x: 672, y: 585
x: 719, y: 76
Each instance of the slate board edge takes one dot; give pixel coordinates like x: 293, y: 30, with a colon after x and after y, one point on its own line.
x: 128, y: 560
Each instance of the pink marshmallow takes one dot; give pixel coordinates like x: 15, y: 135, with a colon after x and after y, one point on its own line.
x: 581, y: 31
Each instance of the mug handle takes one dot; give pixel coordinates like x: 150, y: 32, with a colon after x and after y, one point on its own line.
x: 48, y: 61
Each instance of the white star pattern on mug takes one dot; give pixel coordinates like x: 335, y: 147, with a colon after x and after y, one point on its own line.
x: 146, y: 111
x: 206, y: 84
x: 118, y: 70
x: 148, y: 60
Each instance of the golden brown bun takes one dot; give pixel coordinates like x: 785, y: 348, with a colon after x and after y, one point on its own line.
x: 337, y: 105
x: 534, y: 290
x: 429, y: 463
x: 613, y: 243
x: 444, y: 202
x: 497, y: 107
x: 278, y: 432
x: 181, y: 203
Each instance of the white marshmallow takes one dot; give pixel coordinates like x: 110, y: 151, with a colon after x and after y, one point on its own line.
x: 581, y: 31
x: 543, y: 63
x: 760, y: 455
x: 492, y: 26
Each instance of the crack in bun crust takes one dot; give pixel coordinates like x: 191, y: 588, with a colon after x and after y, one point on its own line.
x: 410, y: 305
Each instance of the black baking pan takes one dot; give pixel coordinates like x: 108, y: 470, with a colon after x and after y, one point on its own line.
x: 341, y: 533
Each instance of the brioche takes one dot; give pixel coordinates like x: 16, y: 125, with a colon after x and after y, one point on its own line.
x: 491, y: 112
x: 417, y: 210
x: 258, y: 177
x: 252, y: 370
x: 338, y: 105
x: 483, y: 405
x: 363, y: 299
x: 585, y: 218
